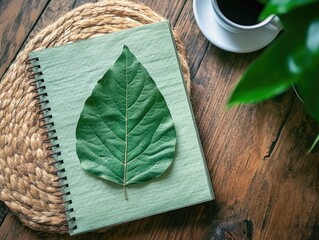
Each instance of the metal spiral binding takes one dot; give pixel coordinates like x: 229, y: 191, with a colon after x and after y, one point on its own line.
x: 38, y: 88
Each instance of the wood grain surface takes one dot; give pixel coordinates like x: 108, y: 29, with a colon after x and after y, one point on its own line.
x: 266, y: 186
x: 16, y: 21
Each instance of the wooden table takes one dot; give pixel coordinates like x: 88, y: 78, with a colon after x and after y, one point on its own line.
x: 256, y: 154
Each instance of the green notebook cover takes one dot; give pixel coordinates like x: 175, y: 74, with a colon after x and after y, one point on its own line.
x: 70, y: 73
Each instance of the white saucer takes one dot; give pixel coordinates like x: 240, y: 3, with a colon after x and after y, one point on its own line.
x: 224, y: 39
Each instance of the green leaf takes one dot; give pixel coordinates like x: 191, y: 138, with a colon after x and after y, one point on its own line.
x: 279, y: 7
x: 308, y: 59
x: 125, y: 133
x: 286, y: 61
x: 263, y: 1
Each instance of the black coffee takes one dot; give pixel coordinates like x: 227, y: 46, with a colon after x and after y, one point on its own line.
x: 244, y: 12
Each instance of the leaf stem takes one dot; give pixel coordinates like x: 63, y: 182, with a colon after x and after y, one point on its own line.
x: 313, y: 145
x: 125, y: 192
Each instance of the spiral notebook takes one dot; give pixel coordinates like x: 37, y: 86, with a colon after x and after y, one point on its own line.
x: 65, y: 76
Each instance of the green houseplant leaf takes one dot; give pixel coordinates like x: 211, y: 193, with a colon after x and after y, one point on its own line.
x: 279, y: 7
x: 307, y: 59
x: 125, y: 133
x: 284, y: 62
x: 292, y: 59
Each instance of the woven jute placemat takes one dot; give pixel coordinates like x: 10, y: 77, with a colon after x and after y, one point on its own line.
x: 28, y: 179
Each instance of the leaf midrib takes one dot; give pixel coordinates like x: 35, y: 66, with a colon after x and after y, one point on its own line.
x: 126, y: 128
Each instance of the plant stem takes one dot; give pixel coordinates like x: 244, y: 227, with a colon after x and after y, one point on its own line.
x: 313, y: 145
x: 125, y: 193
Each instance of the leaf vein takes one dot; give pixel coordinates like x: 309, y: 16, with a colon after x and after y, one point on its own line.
x: 149, y: 144
x: 99, y: 115
x: 116, y: 107
x: 102, y: 143
x: 143, y: 117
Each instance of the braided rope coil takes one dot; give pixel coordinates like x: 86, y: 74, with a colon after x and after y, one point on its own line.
x: 28, y: 181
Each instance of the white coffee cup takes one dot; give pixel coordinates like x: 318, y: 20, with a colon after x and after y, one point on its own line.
x: 272, y: 22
